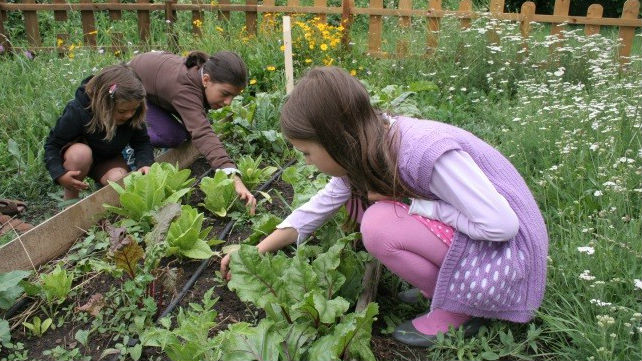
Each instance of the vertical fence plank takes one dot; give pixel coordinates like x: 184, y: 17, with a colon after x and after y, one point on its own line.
x: 323, y: 18
x: 88, y: 25
x: 559, y: 9
x: 375, y: 28
x: 31, y: 25
x: 62, y: 40
x: 595, y: 11
x: 250, y: 18
x: 143, y: 22
x: 433, y: 26
x: 170, y: 19
x: 60, y: 15
x: 197, y: 20
x: 5, y: 43
x: 114, y: 14
x: 346, y: 21
x: 527, y: 12
x: 630, y: 11
x: 404, y: 24
x: 465, y: 6
x: 495, y: 7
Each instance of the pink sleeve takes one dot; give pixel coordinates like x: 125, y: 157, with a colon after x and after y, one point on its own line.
x: 318, y: 209
x: 468, y: 201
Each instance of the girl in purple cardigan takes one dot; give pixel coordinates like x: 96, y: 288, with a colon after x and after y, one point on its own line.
x: 472, y: 238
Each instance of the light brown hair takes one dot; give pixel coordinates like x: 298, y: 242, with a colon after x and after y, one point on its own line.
x: 223, y: 67
x: 112, y: 85
x: 332, y: 108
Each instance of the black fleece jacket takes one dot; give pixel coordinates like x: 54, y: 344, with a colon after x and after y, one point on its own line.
x: 72, y: 126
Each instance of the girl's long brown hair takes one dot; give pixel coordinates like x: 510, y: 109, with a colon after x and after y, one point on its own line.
x: 332, y: 108
x: 114, y: 84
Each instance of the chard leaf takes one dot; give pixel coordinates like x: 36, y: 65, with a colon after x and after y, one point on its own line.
x: 325, y: 265
x: 243, y: 343
x: 321, y: 310
x: 351, y: 337
x: 263, y: 226
x: 300, y: 277
x: 256, y: 278
x: 127, y: 257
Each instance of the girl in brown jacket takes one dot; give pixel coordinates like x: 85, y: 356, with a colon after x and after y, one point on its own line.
x: 180, y: 91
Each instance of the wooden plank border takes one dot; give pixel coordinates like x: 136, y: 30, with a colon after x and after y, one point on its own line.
x: 54, y: 236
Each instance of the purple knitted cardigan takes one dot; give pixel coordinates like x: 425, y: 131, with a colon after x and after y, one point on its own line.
x: 503, y: 280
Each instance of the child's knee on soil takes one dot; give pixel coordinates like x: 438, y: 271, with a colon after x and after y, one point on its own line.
x: 113, y: 175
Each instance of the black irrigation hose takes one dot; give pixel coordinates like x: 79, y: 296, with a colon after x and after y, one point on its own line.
x: 224, y: 233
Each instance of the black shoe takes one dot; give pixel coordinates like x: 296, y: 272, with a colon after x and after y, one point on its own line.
x: 407, y: 333
x: 411, y: 296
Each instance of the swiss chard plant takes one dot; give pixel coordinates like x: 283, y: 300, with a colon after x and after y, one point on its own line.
x: 219, y: 193
x: 186, y: 236
x: 188, y: 340
x: 251, y: 172
x: 142, y: 194
x: 306, y: 318
x: 262, y: 226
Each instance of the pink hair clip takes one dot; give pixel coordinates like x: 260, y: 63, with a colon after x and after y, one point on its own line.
x: 112, y: 90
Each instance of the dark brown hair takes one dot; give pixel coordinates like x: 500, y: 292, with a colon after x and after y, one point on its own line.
x: 112, y: 85
x: 223, y: 67
x: 332, y: 108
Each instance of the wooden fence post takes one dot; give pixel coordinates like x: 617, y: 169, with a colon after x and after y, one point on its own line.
x: 114, y: 14
x: 60, y: 15
x: 197, y: 20
x: 224, y: 15
x: 170, y: 19
x: 465, y: 6
x: 404, y: 24
x: 594, y: 12
x: 433, y: 26
x: 527, y: 12
x: 323, y: 18
x: 375, y: 28
x: 88, y: 25
x: 630, y: 11
x: 560, y: 9
x: 143, y: 23
x: 346, y: 21
x: 496, y: 7
x: 250, y: 18
x: 31, y: 25
x: 4, y: 36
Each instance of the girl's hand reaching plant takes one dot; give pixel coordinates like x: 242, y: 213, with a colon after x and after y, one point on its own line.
x: 225, y: 270
x: 244, y: 194
x: 70, y: 180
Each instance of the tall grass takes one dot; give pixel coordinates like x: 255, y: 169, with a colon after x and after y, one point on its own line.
x: 568, y: 119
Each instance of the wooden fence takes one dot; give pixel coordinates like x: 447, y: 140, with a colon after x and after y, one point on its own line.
x: 375, y: 12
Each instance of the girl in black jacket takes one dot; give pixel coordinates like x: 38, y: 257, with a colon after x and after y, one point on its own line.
x: 106, y: 115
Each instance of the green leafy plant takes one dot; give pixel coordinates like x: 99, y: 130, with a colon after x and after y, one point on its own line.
x: 219, y: 193
x: 189, y: 339
x: 262, y: 226
x: 10, y: 288
x: 56, y: 285
x: 186, y: 236
x: 251, y: 172
x: 37, y: 326
x: 143, y: 194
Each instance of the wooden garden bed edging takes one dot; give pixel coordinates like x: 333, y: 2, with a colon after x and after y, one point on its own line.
x: 54, y: 236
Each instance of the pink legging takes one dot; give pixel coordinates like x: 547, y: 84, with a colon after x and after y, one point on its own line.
x: 405, y: 245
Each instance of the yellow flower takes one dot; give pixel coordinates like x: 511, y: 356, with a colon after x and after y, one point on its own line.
x: 282, y: 48
x: 72, y: 47
x: 59, y: 42
x: 220, y: 29
x: 71, y: 55
x: 311, y: 46
x: 213, y: 2
x: 353, y: 72
x: 328, y: 61
x: 253, y: 81
x: 308, y: 61
x: 117, y: 52
x: 93, y: 32
x: 198, y: 23
x: 323, y: 46
x: 270, y: 68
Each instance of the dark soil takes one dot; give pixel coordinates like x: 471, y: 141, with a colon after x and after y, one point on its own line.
x: 230, y: 309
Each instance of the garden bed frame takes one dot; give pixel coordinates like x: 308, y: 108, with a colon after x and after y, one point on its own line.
x: 54, y: 236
